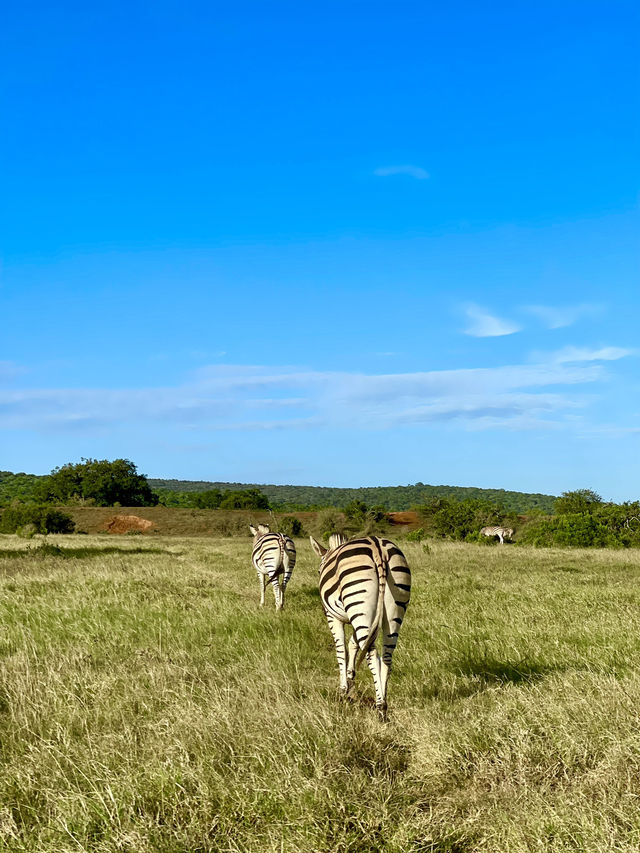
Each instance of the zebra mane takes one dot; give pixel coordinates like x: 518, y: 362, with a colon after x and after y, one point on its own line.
x: 336, y: 540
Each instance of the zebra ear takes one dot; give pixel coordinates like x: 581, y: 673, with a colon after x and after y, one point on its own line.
x: 264, y: 528
x: 317, y: 547
x: 253, y: 530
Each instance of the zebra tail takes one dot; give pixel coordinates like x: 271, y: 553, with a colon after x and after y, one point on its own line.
x: 382, y: 583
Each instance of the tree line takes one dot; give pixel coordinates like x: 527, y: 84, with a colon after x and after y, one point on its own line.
x: 576, y: 518
x: 392, y: 498
x: 104, y: 483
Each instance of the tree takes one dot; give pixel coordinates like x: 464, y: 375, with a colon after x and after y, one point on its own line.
x: 210, y: 499
x: 577, y: 501
x: 99, y: 481
x: 245, y: 499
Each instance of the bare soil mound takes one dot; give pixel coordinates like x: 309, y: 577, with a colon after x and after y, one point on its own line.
x: 408, y: 518
x: 128, y: 523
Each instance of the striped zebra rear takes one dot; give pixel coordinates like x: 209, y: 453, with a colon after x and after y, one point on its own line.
x: 501, y: 532
x: 274, y: 558
x: 365, y: 583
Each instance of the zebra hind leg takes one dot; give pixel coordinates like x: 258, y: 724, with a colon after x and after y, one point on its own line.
x: 274, y: 580
x: 351, y: 665
x: 263, y: 585
x: 337, y: 632
x: 289, y: 564
x: 375, y: 665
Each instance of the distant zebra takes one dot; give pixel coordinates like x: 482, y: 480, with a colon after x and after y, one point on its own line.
x: 366, y: 583
x: 501, y: 532
x: 274, y: 557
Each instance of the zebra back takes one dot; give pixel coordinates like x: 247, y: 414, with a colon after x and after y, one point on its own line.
x: 358, y: 578
x: 273, y: 556
x: 366, y: 583
x: 501, y: 532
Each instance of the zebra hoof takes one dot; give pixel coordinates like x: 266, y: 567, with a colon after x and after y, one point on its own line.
x: 382, y: 713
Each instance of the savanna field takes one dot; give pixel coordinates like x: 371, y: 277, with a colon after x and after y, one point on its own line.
x: 148, y: 704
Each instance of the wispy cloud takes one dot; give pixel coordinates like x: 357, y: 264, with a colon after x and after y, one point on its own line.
x: 9, y: 370
x: 578, y: 354
x: 244, y: 397
x: 558, y: 317
x: 485, y: 325
x: 416, y: 172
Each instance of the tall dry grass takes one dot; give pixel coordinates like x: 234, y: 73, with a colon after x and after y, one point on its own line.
x: 148, y: 704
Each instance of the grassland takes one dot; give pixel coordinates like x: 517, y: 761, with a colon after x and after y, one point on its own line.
x: 148, y: 704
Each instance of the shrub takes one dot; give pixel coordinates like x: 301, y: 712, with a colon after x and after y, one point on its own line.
x: 416, y: 535
x: 244, y: 499
x: 578, y: 501
x: 211, y: 499
x: 290, y: 525
x: 39, y: 519
x: 329, y: 521
x: 572, y: 529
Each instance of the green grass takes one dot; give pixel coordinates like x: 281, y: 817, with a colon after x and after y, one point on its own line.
x: 148, y: 704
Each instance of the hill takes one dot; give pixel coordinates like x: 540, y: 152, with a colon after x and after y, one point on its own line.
x: 393, y: 498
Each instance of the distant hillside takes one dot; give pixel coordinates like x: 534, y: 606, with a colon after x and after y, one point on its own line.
x: 394, y: 498
x: 390, y: 497
x: 16, y: 486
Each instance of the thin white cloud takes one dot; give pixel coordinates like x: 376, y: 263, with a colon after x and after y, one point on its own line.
x: 416, y: 172
x: 580, y: 354
x: 486, y: 325
x: 224, y: 397
x: 558, y: 317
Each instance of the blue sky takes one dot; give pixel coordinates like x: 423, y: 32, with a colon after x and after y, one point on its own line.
x: 335, y: 244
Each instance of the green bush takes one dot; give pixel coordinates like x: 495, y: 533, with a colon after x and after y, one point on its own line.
x: 416, y: 535
x: 211, y: 499
x: 244, y: 499
x: 38, y: 519
x: 290, y: 525
x: 578, y: 501
x: 580, y: 530
x: 329, y: 521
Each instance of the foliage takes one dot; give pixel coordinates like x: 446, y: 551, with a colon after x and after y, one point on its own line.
x: 462, y: 520
x: 38, y: 519
x: 329, y: 521
x: 599, y: 525
x: 16, y: 486
x: 361, y: 514
x: 290, y: 525
x: 580, y: 500
x: 246, y: 499
x: 389, y: 498
x: 416, y: 535
x: 211, y: 499
x: 169, y: 497
x: 96, y: 481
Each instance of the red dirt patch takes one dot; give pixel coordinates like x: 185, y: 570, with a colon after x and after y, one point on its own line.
x: 408, y: 517
x: 127, y: 523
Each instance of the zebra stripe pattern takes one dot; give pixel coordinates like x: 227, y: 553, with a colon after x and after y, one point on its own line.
x: 501, y: 532
x: 365, y: 583
x: 274, y: 558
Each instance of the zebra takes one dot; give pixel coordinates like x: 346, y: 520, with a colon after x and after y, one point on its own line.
x: 501, y: 532
x: 273, y: 556
x: 366, y: 583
